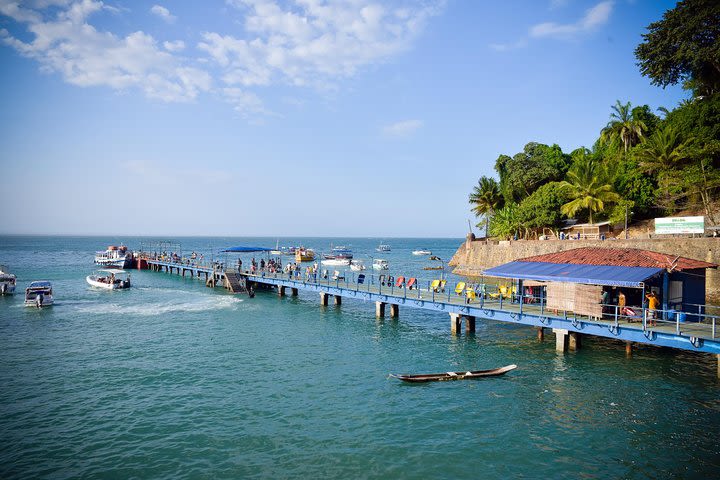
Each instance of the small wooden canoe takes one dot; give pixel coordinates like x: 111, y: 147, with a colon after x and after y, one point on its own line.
x: 441, y: 377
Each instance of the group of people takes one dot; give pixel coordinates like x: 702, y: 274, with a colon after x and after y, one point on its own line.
x: 615, y: 300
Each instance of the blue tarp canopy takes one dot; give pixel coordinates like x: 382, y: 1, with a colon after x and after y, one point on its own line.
x: 615, y: 276
x: 247, y: 249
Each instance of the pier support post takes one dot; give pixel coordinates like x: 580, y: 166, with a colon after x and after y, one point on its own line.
x: 338, y: 300
x: 718, y: 364
x: 394, y: 310
x: 561, y: 339
x: 541, y: 334
x: 281, y: 290
x: 379, y: 309
x: 455, y: 323
x: 294, y: 292
x: 323, y: 299
x: 628, y: 349
x: 575, y: 341
x: 469, y: 324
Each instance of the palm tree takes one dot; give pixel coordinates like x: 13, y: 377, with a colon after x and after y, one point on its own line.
x: 486, y: 199
x: 663, y: 150
x: 587, y: 188
x: 623, y: 126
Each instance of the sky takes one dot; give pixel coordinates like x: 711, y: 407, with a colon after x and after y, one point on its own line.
x: 295, y: 118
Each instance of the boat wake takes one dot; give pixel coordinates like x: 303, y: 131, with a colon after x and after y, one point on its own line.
x: 151, y: 309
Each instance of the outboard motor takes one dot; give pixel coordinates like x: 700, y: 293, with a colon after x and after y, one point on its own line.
x: 39, y: 300
x: 3, y: 288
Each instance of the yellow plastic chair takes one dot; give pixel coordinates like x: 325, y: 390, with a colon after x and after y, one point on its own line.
x: 442, y: 285
x: 435, y: 285
x: 459, y: 288
x: 470, y: 294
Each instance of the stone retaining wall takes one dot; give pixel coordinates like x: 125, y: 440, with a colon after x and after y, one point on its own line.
x: 474, y: 256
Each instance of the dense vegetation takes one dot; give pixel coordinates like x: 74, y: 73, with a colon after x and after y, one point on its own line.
x: 647, y: 163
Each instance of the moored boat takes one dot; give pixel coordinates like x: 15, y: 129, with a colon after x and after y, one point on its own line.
x: 110, y: 281
x: 7, y: 281
x: 380, y: 264
x: 39, y: 294
x: 339, y: 252
x: 114, y: 257
x: 422, y: 251
x: 357, y: 265
x: 440, y: 377
x: 303, y: 254
x: 383, y: 248
x: 336, y: 262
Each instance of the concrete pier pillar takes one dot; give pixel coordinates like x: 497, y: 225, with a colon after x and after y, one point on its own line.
x: 541, y: 334
x: 394, y: 310
x: 628, y: 349
x: 469, y: 324
x: 380, y: 309
x: 281, y: 290
x: 338, y: 300
x: 575, y: 341
x: 294, y: 292
x: 561, y: 339
x: 323, y: 299
x: 455, y: 323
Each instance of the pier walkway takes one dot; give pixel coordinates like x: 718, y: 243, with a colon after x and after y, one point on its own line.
x: 697, y: 336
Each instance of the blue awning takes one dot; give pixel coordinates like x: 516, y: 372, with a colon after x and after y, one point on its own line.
x: 615, y: 276
x: 247, y: 249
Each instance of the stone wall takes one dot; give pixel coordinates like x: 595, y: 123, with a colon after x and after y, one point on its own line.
x: 474, y: 256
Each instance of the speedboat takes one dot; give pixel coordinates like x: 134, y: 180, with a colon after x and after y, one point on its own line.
x: 109, y: 281
x: 7, y: 281
x: 380, y: 264
x: 383, y: 248
x: 422, y: 251
x: 357, y: 265
x: 117, y: 257
x: 336, y: 262
x: 39, y: 294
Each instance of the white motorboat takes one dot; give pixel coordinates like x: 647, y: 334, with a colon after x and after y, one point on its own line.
x: 357, y: 265
x: 109, y: 281
x: 422, y: 251
x: 383, y: 248
x: 380, y: 264
x: 117, y: 257
x: 339, y: 253
x: 336, y: 262
x: 7, y: 281
x: 39, y: 294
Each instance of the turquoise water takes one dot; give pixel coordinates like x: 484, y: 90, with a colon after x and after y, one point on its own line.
x: 174, y: 380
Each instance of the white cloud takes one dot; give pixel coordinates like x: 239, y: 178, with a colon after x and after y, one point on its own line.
x: 594, y: 17
x: 163, y: 13
x: 313, y: 42
x: 402, y: 129
x: 175, y: 46
x: 84, y: 56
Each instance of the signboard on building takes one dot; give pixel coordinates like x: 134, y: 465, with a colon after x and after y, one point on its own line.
x: 671, y: 225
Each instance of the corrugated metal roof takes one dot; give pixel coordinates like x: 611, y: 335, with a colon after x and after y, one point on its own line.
x: 625, y: 257
x: 616, y: 276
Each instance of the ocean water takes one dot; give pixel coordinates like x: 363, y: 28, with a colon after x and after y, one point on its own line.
x: 175, y: 380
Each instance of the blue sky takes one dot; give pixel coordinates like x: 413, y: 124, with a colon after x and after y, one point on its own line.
x: 304, y: 117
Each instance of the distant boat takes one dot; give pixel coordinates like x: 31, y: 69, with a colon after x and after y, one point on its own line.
x: 383, y: 248
x: 109, y: 281
x: 304, y: 254
x: 439, y: 377
x: 114, y: 257
x: 39, y: 294
x: 422, y: 251
x: 277, y: 250
x: 380, y: 264
x: 7, y: 281
x: 338, y: 253
x: 357, y: 265
x: 336, y: 262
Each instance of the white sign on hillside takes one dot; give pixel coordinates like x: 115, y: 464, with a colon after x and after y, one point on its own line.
x: 670, y: 225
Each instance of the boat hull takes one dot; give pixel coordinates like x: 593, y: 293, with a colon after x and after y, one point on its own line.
x: 336, y: 262
x: 442, y: 377
x: 117, y: 285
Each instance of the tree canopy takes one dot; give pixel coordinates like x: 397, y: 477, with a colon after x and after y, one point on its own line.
x: 684, y: 46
